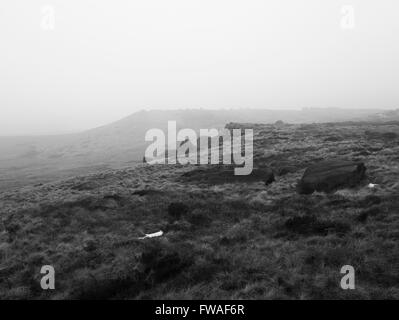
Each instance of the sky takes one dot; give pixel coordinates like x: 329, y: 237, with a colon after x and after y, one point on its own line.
x: 73, y: 65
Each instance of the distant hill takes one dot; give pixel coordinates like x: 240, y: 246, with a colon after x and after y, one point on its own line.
x: 43, y: 158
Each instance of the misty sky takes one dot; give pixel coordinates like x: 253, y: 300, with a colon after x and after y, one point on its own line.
x: 100, y: 60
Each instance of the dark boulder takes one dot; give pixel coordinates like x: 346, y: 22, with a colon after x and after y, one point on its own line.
x: 331, y: 175
x: 268, y: 177
x: 214, y: 175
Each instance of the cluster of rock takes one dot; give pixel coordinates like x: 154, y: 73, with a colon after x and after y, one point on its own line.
x: 325, y: 176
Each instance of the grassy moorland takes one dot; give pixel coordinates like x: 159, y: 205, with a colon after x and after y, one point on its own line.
x: 237, y: 240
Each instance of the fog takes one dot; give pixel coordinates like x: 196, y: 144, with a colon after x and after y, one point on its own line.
x: 77, y: 64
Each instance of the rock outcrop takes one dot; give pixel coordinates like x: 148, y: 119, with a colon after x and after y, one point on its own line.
x: 214, y: 175
x: 331, y: 175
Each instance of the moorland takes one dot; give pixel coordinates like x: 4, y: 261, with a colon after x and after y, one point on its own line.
x: 222, y: 238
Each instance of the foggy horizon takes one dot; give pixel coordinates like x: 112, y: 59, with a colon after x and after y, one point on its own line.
x: 68, y: 67
x: 111, y: 121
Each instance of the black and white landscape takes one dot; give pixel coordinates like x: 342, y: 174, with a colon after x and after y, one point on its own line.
x: 84, y: 214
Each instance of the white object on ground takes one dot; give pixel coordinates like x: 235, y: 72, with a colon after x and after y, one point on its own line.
x: 372, y: 185
x: 152, y: 235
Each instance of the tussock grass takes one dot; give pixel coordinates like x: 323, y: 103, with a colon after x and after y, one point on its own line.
x: 236, y: 240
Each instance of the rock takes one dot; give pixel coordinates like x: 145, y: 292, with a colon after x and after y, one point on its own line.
x: 269, y: 177
x: 215, y: 175
x: 330, y: 175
